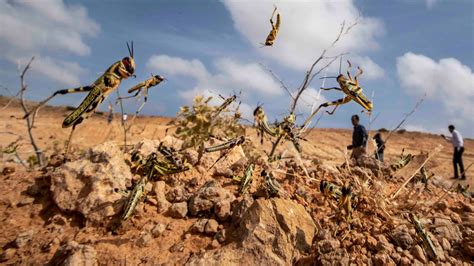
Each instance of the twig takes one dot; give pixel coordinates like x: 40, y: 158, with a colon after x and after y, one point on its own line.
x: 13, y: 97
x: 404, y: 119
x: 279, y: 80
x: 436, y: 150
x: 119, y: 99
x: 29, y: 120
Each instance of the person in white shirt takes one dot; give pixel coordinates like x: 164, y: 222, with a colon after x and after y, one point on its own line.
x: 458, y: 144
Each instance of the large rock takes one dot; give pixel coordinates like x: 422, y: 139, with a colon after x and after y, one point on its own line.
x: 271, y: 232
x: 91, y: 184
x: 73, y: 253
x: 210, y: 194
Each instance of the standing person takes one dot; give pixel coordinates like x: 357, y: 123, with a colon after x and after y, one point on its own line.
x: 458, y: 144
x: 380, y: 146
x: 359, y: 139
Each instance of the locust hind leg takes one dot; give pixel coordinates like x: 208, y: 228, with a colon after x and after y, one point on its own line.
x: 68, y: 144
x: 62, y: 92
x: 337, y: 103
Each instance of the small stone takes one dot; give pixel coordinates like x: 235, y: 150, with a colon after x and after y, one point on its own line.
x: 144, y: 239
x: 211, y: 227
x: 327, y: 246
x: 215, y: 244
x: 158, y: 230
x: 162, y: 205
x: 25, y: 201
x: 445, y: 244
x: 177, y: 194
x: 222, y: 210
x: 199, y: 225
x: 404, y: 261
x: 418, y: 254
x: 7, y: 254
x: 396, y: 257
x: 33, y: 190
x: 178, y: 247
x: 23, y: 238
x: 178, y: 210
x: 160, y: 189
x: 441, y: 206
x: 371, y: 243
x: 221, y: 236
x: 381, y: 259
x: 58, y: 219
x: 152, y: 201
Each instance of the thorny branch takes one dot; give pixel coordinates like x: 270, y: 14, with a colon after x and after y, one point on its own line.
x: 30, y: 120
x: 283, y: 85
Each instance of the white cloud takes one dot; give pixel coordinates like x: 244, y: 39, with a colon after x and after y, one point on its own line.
x: 45, y: 27
x: 57, y: 70
x: 307, y: 27
x: 232, y: 76
x: 431, y: 3
x: 447, y: 81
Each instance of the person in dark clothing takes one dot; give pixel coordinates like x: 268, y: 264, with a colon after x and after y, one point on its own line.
x: 359, y: 138
x: 380, y: 146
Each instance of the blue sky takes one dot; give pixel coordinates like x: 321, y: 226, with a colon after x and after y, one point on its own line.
x: 406, y: 48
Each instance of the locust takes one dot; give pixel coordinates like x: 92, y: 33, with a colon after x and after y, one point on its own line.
x: 402, y: 162
x: 98, y: 92
x: 134, y: 198
x: 227, y: 146
x: 144, y: 86
x: 272, y: 186
x: 246, y: 180
x: 224, y: 105
x: 428, y: 245
x: 330, y: 190
x: 352, y: 90
x: 154, y: 167
x: 275, y: 28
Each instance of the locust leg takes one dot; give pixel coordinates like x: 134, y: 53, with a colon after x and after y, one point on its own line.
x: 68, y: 144
x: 62, y: 92
x: 145, y: 94
x: 358, y: 75
x: 333, y: 88
x: 337, y: 103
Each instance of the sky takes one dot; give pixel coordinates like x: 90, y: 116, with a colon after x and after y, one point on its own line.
x: 407, y: 49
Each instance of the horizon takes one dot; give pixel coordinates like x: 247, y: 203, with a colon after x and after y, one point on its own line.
x: 406, y: 49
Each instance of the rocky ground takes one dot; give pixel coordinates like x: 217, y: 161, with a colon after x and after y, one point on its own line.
x: 65, y: 213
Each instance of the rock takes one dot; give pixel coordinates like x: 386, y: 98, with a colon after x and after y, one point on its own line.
x: 222, y: 210
x: 446, y: 229
x: 33, y: 190
x: 144, y: 239
x: 396, y: 257
x: 145, y: 147
x: 23, y: 238
x: 269, y: 233
x: 441, y: 206
x: 383, y: 245
x: 73, y: 253
x: 402, y: 237
x: 404, y: 261
x: 215, y: 244
x: 207, y: 197
x: 199, y: 225
x: 467, y: 207
x: 381, y: 259
x: 178, y: 247
x: 221, y: 236
x: 445, y: 244
x: 25, y: 201
x: 88, y: 184
x: 158, y: 230
x: 225, y: 172
x: 172, y: 142
x: 159, y: 189
x: 7, y: 254
x: 418, y: 254
x: 211, y: 227
x: 240, y: 206
x: 178, y: 210
x: 371, y: 243
x: 468, y: 245
x: 177, y: 194
x: 326, y: 246
x: 338, y: 257
x: 190, y: 156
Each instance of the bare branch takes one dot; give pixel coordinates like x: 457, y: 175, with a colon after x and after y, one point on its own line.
x: 29, y: 121
x: 404, y: 118
x: 13, y: 97
x: 282, y: 84
x: 122, y: 118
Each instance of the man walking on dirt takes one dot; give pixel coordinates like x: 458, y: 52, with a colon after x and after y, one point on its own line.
x: 359, y: 139
x: 458, y: 144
